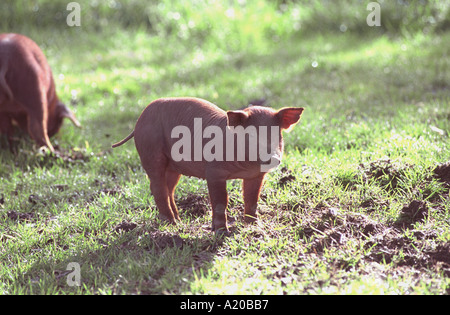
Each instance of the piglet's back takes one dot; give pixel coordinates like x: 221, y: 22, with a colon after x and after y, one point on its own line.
x: 159, y: 118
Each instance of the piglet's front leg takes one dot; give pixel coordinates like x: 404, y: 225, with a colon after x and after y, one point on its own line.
x: 219, y: 201
x: 252, y: 188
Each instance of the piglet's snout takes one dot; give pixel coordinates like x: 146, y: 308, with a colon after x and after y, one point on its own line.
x: 271, y: 164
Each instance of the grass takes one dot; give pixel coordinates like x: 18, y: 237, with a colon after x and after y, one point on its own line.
x: 338, y: 216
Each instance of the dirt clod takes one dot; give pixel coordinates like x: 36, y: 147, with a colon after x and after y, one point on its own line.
x: 125, y: 226
x: 333, y: 229
x: 416, y: 211
x: 441, y: 253
x: 60, y: 187
x: 286, y: 178
x: 33, y: 199
x: 442, y: 173
x: 14, y: 215
x: 386, y: 172
x: 195, y: 205
x: 161, y: 241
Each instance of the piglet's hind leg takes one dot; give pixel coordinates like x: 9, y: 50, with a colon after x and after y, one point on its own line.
x: 158, y: 185
x: 172, y: 181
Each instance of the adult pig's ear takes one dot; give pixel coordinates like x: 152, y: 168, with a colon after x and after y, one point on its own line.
x: 289, y: 116
x: 236, y: 117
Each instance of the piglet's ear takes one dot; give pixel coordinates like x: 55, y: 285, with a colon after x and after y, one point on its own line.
x: 236, y: 117
x: 289, y: 116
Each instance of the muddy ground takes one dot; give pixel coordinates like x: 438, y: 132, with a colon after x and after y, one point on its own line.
x: 398, y: 243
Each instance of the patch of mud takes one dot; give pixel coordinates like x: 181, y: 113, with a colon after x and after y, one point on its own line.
x: 386, y: 172
x: 20, y: 216
x: 111, y: 191
x: 161, y: 241
x: 442, y: 173
x: 125, y: 226
x: 416, y: 211
x: 333, y: 229
x: 35, y: 199
x: 371, y: 205
x: 62, y: 187
x: 194, y: 205
x: 63, y: 156
x: 404, y: 252
x: 72, y: 155
x: 286, y: 177
x: 330, y: 229
x: 441, y: 256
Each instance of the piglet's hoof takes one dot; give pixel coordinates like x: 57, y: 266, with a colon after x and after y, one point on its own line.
x: 167, y: 219
x: 250, y: 219
x: 222, y: 232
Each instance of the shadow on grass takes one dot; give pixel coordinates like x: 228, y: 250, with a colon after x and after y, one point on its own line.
x: 129, y: 259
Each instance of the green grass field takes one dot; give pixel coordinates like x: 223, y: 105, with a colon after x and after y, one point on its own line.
x: 358, y: 206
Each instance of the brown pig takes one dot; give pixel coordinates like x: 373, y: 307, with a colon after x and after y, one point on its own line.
x: 194, y: 137
x: 27, y: 91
